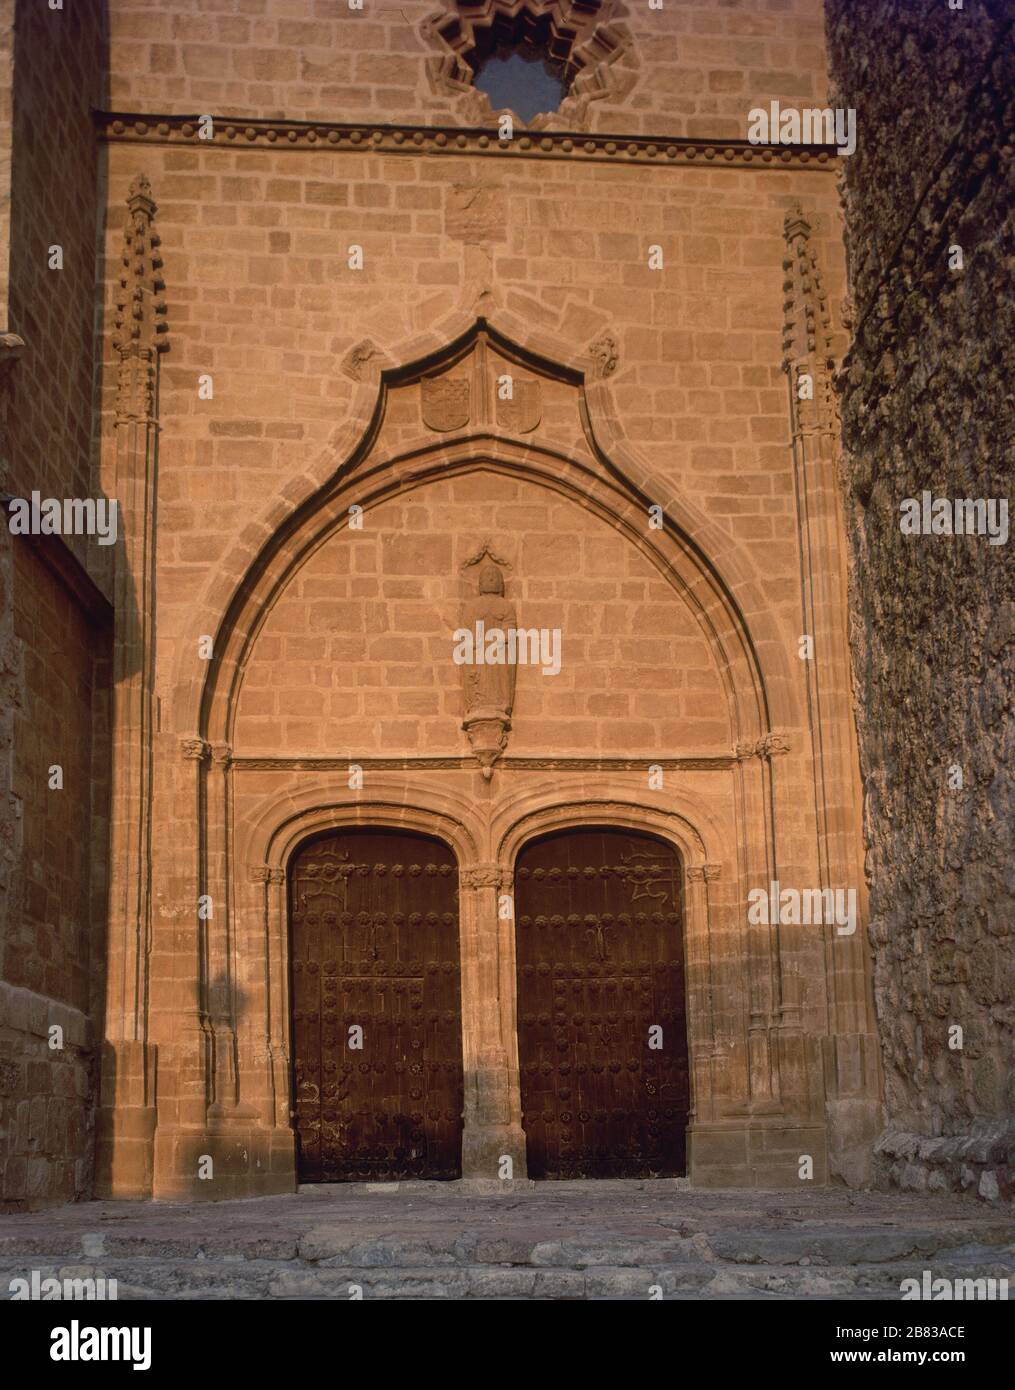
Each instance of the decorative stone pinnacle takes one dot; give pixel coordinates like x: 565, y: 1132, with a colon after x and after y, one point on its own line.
x: 796, y: 224
x: 141, y: 326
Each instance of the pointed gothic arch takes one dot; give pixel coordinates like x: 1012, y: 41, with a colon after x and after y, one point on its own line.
x: 695, y: 555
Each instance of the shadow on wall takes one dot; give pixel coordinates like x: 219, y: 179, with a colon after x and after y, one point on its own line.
x: 54, y: 631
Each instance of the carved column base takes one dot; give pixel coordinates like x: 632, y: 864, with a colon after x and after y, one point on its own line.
x: 486, y: 1146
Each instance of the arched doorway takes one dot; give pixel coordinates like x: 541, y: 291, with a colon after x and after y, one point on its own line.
x: 602, y: 1033
x: 376, y: 1007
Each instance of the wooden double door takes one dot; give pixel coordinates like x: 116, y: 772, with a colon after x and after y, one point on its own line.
x: 376, y: 1007
x: 377, y: 1019
x: 601, y: 1005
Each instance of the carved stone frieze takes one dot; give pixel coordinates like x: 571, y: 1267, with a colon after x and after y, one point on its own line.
x: 659, y: 151
x: 704, y: 873
x: 484, y: 876
x: 769, y: 746
x: 264, y: 873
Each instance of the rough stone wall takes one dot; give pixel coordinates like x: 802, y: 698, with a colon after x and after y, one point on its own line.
x: 48, y: 949
x: 58, y: 77
x: 927, y: 406
x: 54, y: 869
x: 51, y: 957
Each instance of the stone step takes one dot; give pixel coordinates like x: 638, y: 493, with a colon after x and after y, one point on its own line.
x: 239, y: 1278
x: 434, y: 1244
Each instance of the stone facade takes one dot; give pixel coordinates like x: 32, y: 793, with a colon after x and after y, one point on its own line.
x: 375, y: 387
x: 310, y: 305
x: 927, y: 407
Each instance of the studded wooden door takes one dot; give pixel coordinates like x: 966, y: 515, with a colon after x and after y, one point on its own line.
x: 601, y: 1015
x: 376, y: 1007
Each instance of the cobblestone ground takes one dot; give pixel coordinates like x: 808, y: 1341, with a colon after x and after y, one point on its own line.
x: 516, y: 1241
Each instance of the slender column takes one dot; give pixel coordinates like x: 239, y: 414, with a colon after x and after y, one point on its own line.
x: 272, y: 1050
x: 126, y: 1118
x: 762, y: 940
x: 493, y: 1110
x: 853, y: 1062
x: 220, y: 933
x: 192, y: 1026
x: 701, y: 965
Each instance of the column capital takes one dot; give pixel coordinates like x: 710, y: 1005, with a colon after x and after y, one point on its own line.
x: 484, y: 876
x: 768, y: 746
x: 196, y: 749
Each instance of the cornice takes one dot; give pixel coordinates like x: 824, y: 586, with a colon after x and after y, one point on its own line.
x: 242, y: 132
x: 271, y: 763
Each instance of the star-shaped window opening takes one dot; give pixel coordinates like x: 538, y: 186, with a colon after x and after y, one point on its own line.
x: 521, y: 66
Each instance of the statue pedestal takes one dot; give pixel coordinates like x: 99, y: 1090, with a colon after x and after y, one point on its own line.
x: 488, y: 731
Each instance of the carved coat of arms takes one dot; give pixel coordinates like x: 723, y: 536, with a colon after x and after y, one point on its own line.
x: 522, y: 410
x: 445, y: 402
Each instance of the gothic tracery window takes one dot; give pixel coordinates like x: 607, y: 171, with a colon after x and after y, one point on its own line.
x: 542, y: 60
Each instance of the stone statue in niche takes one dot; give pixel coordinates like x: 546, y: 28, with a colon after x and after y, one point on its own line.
x: 489, y: 686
